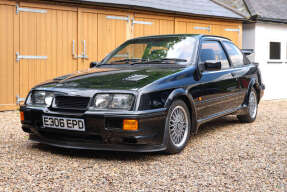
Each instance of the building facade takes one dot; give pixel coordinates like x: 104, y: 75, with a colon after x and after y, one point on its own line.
x: 41, y: 40
x: 270, y: 44
x: 266, y: 33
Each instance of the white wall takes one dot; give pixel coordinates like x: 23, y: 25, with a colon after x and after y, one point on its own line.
x: 274, y: 72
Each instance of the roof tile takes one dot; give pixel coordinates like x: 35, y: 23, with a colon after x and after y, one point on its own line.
x: 195, y: 7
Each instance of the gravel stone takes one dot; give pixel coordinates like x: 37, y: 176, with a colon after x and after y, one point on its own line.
x: 225, y: 156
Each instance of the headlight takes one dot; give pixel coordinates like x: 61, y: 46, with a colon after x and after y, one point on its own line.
x: 40, y: 98
x: 114, y: 101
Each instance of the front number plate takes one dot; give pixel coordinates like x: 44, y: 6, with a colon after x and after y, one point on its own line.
x: 64, y: 123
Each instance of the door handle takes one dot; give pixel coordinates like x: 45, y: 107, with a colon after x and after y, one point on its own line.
x: 84, y: 55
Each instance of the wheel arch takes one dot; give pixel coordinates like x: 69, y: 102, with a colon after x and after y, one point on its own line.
x: 183, y: 95
x: 252, y: 84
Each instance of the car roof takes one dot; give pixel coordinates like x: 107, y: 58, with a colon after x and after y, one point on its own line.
x: 198, y: 36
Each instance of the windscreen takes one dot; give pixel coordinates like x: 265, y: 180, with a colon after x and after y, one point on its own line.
x: 179, y: 50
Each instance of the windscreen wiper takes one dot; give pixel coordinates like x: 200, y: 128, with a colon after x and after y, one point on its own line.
x: 163, y: 60
x: 128, y: 61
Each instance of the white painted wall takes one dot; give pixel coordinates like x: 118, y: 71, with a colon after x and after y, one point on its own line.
x: 257, y: 36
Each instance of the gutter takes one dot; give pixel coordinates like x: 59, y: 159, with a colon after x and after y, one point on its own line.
x: 264, y: 19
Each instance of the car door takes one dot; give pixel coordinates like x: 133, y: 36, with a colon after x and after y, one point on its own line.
x: 240, y: 70
x: 214, y: 94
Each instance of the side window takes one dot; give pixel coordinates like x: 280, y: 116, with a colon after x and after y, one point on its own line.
x: 234, y: 53
x: 275, y: 50
x: 213, y: 51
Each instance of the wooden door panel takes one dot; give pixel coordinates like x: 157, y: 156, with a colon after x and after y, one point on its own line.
x: 186, y: 27
x: 199, y: 28
x: 166, y: 27
x: 88, y: 39
x: 7, y: 95
x: 180, y: 27
x: 148, y: 27
x: 111, y: 33
x: 229, y: 31
x: 49, y: 34
x: 27, y: 47
x: 66, y: 32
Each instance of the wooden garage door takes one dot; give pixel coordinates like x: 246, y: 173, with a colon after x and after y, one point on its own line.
x: 183, y: 27
x: 210, y: 27
x: 145, y: 25
x: 232, y: 32
x: 46, y: 42
x: 112, y: 31
x: 8, y: 68
x: 87, y: 38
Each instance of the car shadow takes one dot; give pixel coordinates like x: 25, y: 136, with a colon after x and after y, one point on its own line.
x: 218, y: 124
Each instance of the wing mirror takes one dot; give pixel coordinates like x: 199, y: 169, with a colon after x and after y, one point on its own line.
x: 212, y: 65
x: 93, y: 64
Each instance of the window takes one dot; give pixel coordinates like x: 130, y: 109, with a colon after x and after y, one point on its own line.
x: 149, y: 49
x: 213, y: 51
x: 275, y: 50
x: 234, y: 53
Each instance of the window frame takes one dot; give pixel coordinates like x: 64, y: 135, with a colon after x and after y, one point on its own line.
x: 243, y: 55
x: 280, y: 50
x: 223, y: 49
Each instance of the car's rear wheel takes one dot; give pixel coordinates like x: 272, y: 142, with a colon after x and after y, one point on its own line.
x: 177, y: 127
x: 251, y: 110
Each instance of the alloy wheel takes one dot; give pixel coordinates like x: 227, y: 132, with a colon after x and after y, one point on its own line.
x: 178, y: 126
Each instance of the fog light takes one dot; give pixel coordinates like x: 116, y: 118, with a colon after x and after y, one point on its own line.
x: 22, y: 116
x: 130, y: 125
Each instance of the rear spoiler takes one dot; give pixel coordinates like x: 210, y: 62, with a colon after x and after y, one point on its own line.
x: 247, y: 51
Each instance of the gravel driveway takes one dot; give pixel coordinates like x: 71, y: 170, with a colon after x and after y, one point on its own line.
x: 224, y: 156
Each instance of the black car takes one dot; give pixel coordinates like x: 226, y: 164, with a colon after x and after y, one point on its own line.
x: 149, y: 94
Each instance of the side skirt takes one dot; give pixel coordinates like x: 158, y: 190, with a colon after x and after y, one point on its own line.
x: 238, y: 110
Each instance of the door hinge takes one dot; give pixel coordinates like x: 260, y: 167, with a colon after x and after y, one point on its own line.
x: 202, y: 28
x: 23, y: 9
x: 117, y: 18
x: 19, y: 99
x: 121, y: 55
x: 141, y: 22
x: 234, y: 30
x: 18, y: 57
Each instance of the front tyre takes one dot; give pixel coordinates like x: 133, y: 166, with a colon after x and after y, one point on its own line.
x: 177, y: 127
x: 252, y: 109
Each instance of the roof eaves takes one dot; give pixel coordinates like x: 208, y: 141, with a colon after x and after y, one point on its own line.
x: 230, y: 8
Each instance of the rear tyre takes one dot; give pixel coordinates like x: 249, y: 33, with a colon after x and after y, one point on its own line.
x: 252, y: 109
x: 177, y: 127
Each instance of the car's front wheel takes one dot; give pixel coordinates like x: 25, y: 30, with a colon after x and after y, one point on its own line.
x: 251, y: 110
x: 177, y: 127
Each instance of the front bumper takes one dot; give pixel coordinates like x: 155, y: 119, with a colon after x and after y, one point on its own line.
x: 103, y: 130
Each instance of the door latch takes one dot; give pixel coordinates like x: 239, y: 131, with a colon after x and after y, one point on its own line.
x: 84, y: 55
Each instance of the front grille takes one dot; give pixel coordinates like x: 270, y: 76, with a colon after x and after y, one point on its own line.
x: 71, y: 102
